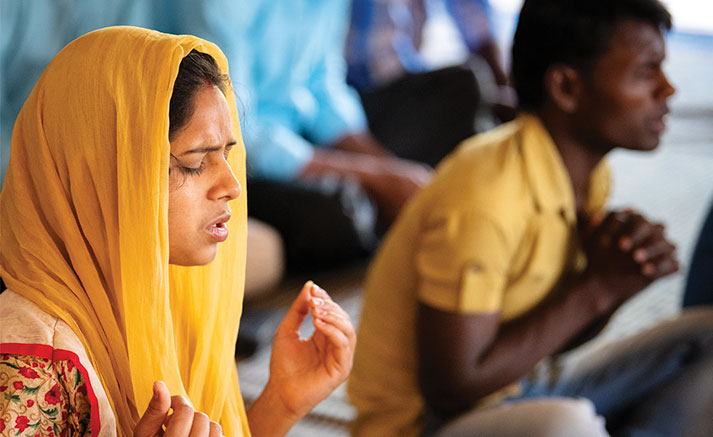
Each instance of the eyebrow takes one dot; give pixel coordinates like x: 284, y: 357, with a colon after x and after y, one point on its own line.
x: 207, y: 149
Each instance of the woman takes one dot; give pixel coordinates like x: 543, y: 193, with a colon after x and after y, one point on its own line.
x: 118, y: 169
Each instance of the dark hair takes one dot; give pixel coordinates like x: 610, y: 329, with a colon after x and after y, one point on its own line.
x: 196, y: 70
x: 572, y: 32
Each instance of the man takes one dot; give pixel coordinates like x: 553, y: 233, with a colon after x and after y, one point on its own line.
x: 508, y: 258
x: 311, y: 159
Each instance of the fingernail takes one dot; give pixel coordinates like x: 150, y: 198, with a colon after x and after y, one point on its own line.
x: 309, y: 284
x: 155, y: 390
x: 319, y: 290
x: 640, y: 255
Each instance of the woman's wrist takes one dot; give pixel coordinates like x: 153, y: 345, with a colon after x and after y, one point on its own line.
x: 269, y: 415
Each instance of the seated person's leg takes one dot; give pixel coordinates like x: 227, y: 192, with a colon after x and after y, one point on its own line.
x: 545, y: 417
x: 699, y: 285
x: 323, y: 222
x: 265, y: 263
x: 624, y: 376
x: 683, y: 406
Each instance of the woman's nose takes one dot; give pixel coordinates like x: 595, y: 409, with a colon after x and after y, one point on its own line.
x: 227, y: 185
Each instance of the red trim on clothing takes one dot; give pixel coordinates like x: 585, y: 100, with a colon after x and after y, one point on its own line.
x: 49, y: 353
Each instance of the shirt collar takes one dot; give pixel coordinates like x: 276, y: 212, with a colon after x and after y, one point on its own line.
x: 548, y: 175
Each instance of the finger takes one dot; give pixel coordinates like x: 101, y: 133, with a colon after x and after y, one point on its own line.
x: 329, y: 306
x: 342, y: 324
x: 594, y: 220
x: 338, y: 321
x: 181, y: 419
x: 639, y: 233
x: 215, y: 430
x: 652, y: 251
x: 610, y: 228
x: 299, y: 309
x: 339, y: 361
x: 155, y: 415
x: 333, y: 309
x: 200, y: 426
x: 661, y: 267
x: 317, y: 291
x: 633, y: 223
x: 322, y: 301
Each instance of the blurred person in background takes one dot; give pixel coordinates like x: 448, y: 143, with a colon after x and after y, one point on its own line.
x: 32, y: 32
x: 417, y: 110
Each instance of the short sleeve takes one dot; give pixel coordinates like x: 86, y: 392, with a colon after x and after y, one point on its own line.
x: 462, y: 262
x: 39, y: 397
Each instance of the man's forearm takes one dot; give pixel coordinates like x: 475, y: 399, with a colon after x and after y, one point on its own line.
x: 544, y: 331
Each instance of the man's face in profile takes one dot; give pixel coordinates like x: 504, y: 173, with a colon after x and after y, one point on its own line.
x: 625, y: 94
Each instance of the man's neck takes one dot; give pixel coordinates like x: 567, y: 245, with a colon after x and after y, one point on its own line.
x: 579, y: 158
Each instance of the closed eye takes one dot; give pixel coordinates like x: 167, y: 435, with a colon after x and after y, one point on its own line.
x: 192, y: 171
x: 227, y: 149
x: 185, y: 169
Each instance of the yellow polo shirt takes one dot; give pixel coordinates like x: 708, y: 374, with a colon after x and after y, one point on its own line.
x: 493, y: 233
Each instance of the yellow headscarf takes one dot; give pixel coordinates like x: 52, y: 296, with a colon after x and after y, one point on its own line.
x: 84, y: 233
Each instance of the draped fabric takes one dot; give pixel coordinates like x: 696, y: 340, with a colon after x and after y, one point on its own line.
x: 84, y: 231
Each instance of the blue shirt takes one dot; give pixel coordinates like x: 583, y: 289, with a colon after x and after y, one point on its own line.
x: 287, y: 68
x: 33, y: 32
x: 385, y: 37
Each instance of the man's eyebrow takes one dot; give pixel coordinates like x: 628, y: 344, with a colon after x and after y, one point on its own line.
x: 207, y: 149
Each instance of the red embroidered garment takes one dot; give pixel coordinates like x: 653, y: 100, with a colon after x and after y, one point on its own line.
x: 48, y: 386
x: 39, y: 397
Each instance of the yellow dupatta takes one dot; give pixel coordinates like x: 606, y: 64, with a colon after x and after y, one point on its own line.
x: 84, y: 233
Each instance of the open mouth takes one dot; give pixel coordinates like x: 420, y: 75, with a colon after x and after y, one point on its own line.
x: 218, y: 231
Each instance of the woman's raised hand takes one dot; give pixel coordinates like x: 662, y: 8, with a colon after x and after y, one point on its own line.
x: 184, y: 421
x: 304, y: 371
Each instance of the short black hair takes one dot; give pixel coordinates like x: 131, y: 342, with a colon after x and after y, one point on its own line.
x: 196, y: 70
x: 572, y: 32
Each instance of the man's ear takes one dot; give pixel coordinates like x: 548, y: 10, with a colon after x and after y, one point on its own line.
x: 563, y: 85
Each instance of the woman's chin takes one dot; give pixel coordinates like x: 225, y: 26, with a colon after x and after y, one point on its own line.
x: 194, y: 257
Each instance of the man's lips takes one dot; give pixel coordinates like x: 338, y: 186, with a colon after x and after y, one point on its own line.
x: 658, y: 122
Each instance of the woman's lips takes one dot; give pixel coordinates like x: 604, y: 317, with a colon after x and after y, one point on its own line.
x: 218, y: 232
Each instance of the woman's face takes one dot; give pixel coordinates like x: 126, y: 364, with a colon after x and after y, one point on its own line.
x: 201, y: 182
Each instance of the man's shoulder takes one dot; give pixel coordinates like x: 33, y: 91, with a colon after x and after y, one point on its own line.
x: 485, y: 155
x: 485, y: 171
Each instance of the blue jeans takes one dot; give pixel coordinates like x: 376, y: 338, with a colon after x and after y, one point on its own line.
x: 699, y: 285
x: 657, y: 383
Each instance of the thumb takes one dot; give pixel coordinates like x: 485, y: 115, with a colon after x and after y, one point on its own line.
x: 155, y: 415
x: 299, y: 309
